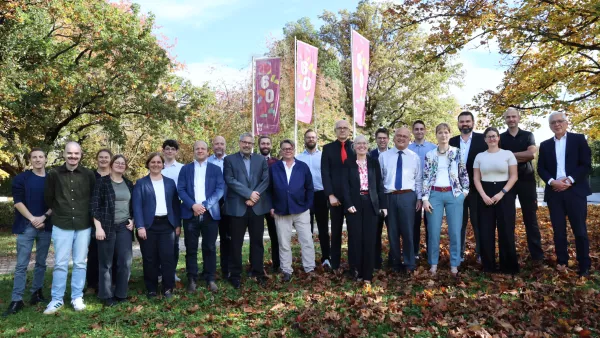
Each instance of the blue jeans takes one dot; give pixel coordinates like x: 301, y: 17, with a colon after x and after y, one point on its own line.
x: 441, y: 201
x: 24, y: 247
x: 67, y: 242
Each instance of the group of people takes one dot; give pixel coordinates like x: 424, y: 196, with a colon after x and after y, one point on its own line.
x: 91, y: 215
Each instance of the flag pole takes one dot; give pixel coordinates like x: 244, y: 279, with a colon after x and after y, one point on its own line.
x: 295, y: 97
x: 253, y: 95
x: 352, y: 78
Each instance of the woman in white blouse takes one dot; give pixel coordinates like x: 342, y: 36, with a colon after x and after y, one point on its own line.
x: 445, y: 186
x: 494, y: 174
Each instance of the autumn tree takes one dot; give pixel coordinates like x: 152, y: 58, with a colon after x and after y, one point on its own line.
x: 71, y: 69
x: 550, y: 49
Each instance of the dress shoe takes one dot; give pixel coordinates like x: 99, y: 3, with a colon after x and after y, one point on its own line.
x: 151, y: 295
x: 191, y: 287
x: 212, y: 286
x: 14, y: 307
x: 262, y: 281
x: 286, y: 277
x: 37, y: 297
x: 168, y: 294
x: 584, y: 273
x: 121, y: 300
x: 235, y: 283
x: 110, y: 302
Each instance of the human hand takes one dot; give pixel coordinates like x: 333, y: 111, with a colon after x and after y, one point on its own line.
x: 100, y: 234
x: 333, y: 201
x: 142, y: 233
x: 255, y: 196
x: 427, y: 207
x: 352, y: 210
x: 487, y: 200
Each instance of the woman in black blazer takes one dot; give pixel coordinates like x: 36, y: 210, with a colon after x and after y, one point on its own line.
x: 113, y: 220
x: 363, y: 201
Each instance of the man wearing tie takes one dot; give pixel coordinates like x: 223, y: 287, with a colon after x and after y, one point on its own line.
x: 247, y: 178
x: 564, y: 164
x: 470, y: 144
x: 402, y: 181
x: 332, y: 160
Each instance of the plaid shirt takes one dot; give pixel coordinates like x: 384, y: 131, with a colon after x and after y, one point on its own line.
x: 103, y: 202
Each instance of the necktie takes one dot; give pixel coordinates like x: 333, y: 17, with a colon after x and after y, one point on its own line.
x: 398, y: 184
x: 344, y: 155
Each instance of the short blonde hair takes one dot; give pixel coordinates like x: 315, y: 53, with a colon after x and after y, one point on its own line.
x: 443, y: 126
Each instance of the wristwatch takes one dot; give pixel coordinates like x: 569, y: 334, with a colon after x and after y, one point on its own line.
x: 46, y: 215
x: 504, y: 191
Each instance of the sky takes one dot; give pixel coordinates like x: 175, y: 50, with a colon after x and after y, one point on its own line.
x: 216, y: 40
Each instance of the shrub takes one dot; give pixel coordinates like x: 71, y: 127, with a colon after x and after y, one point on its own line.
x: 7, y: 214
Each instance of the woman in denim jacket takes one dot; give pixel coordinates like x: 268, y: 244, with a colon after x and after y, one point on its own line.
x: 445, y: 186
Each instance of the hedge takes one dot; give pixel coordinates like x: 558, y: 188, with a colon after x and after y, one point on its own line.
x: 7, y: 214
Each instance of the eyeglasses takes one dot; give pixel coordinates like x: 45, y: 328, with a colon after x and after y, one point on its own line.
x: 492, y: 137
x: 247, y: 143
x: 121, y: 164
x: 403, y: 136
x: 342, y: 128
x: 287, y: 149
x: 555, y: 122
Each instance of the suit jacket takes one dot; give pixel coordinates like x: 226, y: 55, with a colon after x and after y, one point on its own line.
x: 351, y: 180
x: 331, y: 167
x: 214, y: 187
x: 240, y: 186
x: 295, y: 197
x: 144, y: 202
x: 578, y: 163
x: 478, y: 145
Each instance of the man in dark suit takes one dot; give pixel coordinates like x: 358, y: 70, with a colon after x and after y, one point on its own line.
x: 470, y: 144
x: 265, y: 146
x: 332, y: 160
x: 247, y: 178
x: 564, y: 164
x: 382, y: 137
x: 200, y: 188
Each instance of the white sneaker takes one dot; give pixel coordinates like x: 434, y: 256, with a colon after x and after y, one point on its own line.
x: 160, y: 279
x: 326, y: 264
x: 78, y: 304
x: 177, y: 279
x: 53, y: 307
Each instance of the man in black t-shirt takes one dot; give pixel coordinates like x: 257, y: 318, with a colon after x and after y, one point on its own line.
x: 522, y: 144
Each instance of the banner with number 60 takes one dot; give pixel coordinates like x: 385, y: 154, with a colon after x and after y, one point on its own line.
x: 306, y: 77
x: 266, y: 95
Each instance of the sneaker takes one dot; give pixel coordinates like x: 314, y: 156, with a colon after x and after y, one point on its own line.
x: 78, y: 304
x: 14, y: 307
x: 212, y: 286
x: 151, y: 295
x: 177, y: 279
x: 168, y: 294
x: 160, y: 279
x: 110, y: 302
x: 327, y: 265
x: 37, y: 297
x: 191, y: 287
x: 53, y: 307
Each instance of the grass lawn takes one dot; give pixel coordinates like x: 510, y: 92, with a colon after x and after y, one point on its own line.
x: 538, y: 302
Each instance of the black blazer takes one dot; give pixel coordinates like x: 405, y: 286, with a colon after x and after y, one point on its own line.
x: 331, y: 167
x: 478, y: 145
x: 351, y: 181
x: 578, y: 163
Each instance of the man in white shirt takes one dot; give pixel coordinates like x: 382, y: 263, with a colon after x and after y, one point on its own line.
x: 219, y: 147
x: 320, y: 212
x: 402, y: 180
x: 171, y: 170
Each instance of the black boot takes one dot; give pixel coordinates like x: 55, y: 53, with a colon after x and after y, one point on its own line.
x: 37, y: 297
x: 14, y: 307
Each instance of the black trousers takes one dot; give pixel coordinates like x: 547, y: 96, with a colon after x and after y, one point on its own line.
x: 157, y: 255
x: 337, y: 223
x: 116, y: 247
x: 470, y: 212
x: 569, y: 204
x: 320, y: 214
x: 209, y: 229
x: 362, y: 232
x: 274, y: 241
x: 92, y: 274
x: 238, y: 225
x: 224, y: 241
x: 417, y: 231
x: 378, y: 246
x: 501, y: 215
x: 527, y: 194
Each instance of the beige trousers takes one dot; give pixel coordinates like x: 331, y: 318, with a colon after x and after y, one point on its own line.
x: 284, y: 225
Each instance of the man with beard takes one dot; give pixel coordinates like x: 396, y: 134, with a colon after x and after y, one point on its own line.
x: 319, y: 211
x: 522, y: 144
x: 470, y: 144
x: 332, y: 162
x: 265, y: 146
x: 382, y: 136
x: 67, y: 192
x: 219, y: 146
x: 247, y: 178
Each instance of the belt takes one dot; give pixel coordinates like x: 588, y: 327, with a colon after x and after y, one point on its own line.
x: 403, y: 191
x: 364, y: 192
x: 161, y: 217
x: 441, y: 189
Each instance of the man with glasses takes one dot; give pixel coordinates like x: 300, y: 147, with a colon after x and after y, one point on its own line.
x: 172, y: 168
x: 247, y: 179
x: 522, y: 145
x: 470, y: 144
x: 320, y: 212
x: 292, y: 190
x: 382, y: 137
x: 332, y: 161
x: 564, y: 164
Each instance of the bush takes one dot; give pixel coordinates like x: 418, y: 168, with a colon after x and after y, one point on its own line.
x: 7, y: 215
x: 6, y: 186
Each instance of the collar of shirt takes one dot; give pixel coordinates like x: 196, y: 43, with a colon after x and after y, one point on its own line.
x: 285, y: 163
x: 564, y: 138
x: 379, y: 151
x: 306, y: 152
x: 214, y: 157
x: 467, y: 141
x: 244, y: 157
x: 63, y: 168
x: 174, y: 164
x: 198, y: 164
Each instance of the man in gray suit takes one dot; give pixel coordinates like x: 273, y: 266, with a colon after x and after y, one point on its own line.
x: 247, y: 178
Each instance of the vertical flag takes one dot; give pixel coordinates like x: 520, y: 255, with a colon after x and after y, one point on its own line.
x: 266, y: 95
x: 306, y: 76
x: 360, y: 76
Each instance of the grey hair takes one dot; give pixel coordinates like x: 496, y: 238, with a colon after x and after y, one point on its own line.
x: 244, y: 135
x: 509, y: 109
x: 358, y: 138
x: 561, y: 113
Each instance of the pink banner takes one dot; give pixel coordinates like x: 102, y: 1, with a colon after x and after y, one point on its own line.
x: 266, y: 96
x: 360, y: 76
x: 306, y: 80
